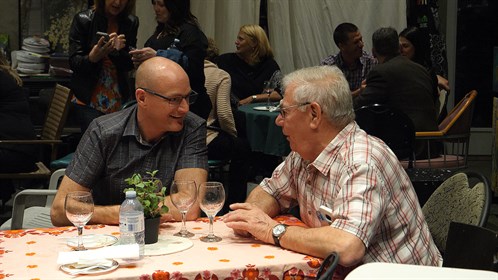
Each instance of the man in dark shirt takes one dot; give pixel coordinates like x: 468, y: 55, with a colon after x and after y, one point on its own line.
x: 351, y: 59
x: 158, y: 133
x: 400, y: 83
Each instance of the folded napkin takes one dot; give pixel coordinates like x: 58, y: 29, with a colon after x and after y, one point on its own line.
x: 97, y: 256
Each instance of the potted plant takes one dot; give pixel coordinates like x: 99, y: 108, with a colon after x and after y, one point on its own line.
x: 150, y: 193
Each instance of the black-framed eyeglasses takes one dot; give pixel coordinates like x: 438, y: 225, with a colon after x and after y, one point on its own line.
x: 174, y: 101
x: 283, y: 110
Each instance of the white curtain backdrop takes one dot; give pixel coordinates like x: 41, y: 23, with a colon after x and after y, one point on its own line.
x: 221, y: 19
x: 300, y: 30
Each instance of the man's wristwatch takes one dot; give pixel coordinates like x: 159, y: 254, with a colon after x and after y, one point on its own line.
x: 254, y: 97
x: 277, y: 232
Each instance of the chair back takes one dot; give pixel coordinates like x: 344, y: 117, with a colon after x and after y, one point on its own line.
x: 56, y: 116
x: 457, y: 199
x: 470, y: 246
x: 327, y: 268
x: 392, y: 126
x: 56, y: 113
x: 459, y: 120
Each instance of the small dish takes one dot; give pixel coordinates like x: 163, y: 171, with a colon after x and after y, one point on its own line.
x: 262, y: 108
x: 73, y: 270
x: 93, y: 241
x: 168, y: 245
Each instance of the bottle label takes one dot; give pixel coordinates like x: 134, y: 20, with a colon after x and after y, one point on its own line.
x: 131, y: 223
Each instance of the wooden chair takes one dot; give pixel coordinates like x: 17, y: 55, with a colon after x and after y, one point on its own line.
x: 327, y: 268
x: 454, y: 133
x: 34, y: 216
x: 464, y: 197
x: 50, y: 134
x: 470, y: 246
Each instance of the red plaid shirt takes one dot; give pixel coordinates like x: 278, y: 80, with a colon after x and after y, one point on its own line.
x: 371, y: 196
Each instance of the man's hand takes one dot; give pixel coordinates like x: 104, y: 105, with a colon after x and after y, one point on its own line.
x: 247, y: 219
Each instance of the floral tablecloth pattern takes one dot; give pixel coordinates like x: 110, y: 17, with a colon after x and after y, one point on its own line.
x: 32, y: 254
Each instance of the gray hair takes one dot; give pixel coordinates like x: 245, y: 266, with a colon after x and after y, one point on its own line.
x: 327, y: 86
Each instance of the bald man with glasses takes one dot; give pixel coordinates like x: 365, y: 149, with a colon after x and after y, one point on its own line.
x: 158, y: 133
x: 352, y: 192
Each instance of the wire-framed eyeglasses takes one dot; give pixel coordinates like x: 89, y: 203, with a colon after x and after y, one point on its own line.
x: 174, y: 101
x: 284, y: 110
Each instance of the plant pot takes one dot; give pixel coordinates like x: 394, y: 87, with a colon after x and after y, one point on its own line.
x: 152, y: 230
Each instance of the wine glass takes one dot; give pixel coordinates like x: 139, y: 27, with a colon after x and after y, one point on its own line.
x: 268, y: 87
x: 79, y: 210
x: 212, y: 198
x: 183, y: 195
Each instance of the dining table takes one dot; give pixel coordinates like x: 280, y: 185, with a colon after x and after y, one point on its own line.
x: 263, y: 134
x: 33, y: 254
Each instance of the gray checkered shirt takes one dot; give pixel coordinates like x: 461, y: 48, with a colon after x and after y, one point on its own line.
x: 111, y: 150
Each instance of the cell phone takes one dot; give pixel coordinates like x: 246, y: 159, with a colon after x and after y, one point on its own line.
x: 105, y: 35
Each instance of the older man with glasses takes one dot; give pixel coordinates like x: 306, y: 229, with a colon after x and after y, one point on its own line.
x: 353, y: 193
x: 159, y: 133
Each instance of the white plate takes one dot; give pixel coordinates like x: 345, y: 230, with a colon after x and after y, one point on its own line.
x: 69, y: 268
x: 168, y: 245
x: 261, y: 108
x: 93, y: 241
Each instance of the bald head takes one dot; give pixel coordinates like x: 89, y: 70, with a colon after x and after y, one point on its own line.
x: 159, y: 70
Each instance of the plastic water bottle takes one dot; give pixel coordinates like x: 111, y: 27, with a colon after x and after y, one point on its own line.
x: 131, y: 222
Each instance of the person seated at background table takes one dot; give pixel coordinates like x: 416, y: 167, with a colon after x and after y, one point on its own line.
x: 100, y: 68
x: 250, y: 66
x: 222, y: 139
x: 158, y: 132
x: 175, y: 21
x: 15, y: 123
x: 351, y: 59
x: 403, y: 84
x: 415, y: 46
x: 375, y: 215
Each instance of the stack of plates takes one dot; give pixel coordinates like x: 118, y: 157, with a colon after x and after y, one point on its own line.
x: 32, y: 59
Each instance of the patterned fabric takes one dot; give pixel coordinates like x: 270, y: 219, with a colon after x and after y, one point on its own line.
x: 453, y: 201
x: 106, y: 97
x: 370, y: 195
x: 354, y: 76
x: 112, y: 149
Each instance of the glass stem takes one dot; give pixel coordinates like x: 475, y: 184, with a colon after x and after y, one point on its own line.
x: 80, y: 238
x: 184, y: 221
x: 211, y: 232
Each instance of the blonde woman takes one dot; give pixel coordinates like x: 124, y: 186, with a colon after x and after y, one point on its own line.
x: 250, y: 65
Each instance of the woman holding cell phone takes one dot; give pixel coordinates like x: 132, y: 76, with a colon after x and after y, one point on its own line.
x: 99, y: 41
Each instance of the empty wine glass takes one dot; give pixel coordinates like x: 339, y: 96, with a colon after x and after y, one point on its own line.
x: 79, y: 209
x: 268, y: 87
x: 212, y: 198
x: 183, y: 195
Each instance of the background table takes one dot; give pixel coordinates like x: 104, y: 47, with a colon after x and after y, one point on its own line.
x: 32, y: 254
x: 262, y: 132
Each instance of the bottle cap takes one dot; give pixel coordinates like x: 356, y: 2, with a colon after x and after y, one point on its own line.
x: 131, y: 194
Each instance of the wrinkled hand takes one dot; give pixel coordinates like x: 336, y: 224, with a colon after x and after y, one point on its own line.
x: 247, y: 219
x: 166, y: 218
x: 245, y: 101
x: 140, y: 55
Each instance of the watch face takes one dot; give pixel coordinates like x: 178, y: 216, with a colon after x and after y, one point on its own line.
x: 278, y: 230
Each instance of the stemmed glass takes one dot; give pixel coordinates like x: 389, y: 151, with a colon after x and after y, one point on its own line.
x: 183, y: 195
x: 79, y: 209
x: 268, y: 87
x: 212, y: 198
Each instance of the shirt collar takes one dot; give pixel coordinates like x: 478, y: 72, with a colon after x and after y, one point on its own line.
x: 325, y: 159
